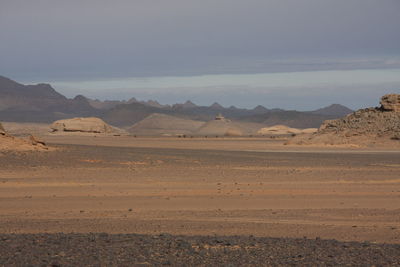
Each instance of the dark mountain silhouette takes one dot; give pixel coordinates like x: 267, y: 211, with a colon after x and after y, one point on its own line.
x: 109, y: 104
x: 188, y: 104
x: 129, y: 114
x: 335, y: 110
x: 38, y: 103
x: 291, y: 118
x: 41, y: 103
x: 260, y: 109
x: 216, y: 106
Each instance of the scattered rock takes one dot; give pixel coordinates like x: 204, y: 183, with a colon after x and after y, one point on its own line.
x: 145, y: 250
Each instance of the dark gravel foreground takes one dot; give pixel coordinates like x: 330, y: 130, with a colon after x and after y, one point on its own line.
x: 163, y: 250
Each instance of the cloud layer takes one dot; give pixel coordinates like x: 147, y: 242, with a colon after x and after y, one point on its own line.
x: 99, y: 38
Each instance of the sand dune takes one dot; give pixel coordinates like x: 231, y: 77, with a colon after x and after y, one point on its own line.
x: 284, y: 130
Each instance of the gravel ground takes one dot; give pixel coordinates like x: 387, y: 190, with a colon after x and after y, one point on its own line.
x: 147, y: 250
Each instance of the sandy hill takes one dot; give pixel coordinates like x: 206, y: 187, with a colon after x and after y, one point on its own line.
x: 365, y: 127
x: 162, y: 124
x: 221, y: 126
x: 284, y: 130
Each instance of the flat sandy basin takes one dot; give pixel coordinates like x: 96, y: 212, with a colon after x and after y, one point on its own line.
x: 222, y: 186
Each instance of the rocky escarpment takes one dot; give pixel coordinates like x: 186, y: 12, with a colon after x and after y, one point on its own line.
x: 365, y: 126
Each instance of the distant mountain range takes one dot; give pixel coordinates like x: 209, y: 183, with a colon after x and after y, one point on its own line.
x: 38, y: 103
x: 41, y: 103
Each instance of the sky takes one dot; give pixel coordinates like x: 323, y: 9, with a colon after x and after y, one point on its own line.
x: 230, y: 51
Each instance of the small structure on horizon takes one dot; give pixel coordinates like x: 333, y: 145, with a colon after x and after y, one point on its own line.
x: 219, y: 117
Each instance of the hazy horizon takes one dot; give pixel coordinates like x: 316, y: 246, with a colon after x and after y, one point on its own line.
x: 302, y: 90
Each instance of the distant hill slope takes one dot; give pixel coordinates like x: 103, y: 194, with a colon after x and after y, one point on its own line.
x: 129, y: 114
x: 295, y: 119
x: 38, y: 103
x: 335, y: 110
x: 159, y: 124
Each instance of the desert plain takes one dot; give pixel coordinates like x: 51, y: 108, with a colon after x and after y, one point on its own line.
x: 224, y: 186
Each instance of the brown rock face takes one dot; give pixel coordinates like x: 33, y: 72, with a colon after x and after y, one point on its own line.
x: 2, y: 131
x: 85, y: 125
x: 36, y: 141
x: 391, y: 102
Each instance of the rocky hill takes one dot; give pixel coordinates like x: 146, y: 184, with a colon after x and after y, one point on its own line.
x: 364, y: 127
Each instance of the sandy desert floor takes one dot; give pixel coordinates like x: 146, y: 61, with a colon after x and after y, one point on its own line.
x: 220, y: 186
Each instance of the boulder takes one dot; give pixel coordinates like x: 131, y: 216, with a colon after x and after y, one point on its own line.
x: 84, y: 125
x: 390, y: 102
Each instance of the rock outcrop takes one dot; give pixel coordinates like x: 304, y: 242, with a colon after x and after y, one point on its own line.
x: 83, y: 125
x: 364, y: 127
x: 391, y: 102
x: 380, y: 121
x: 2, y: 131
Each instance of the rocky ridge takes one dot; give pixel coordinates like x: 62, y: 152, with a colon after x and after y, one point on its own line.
x: 364, y: 126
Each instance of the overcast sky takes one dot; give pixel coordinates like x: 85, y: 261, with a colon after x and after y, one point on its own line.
x: 92, y: 40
